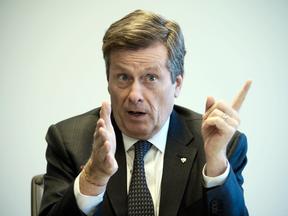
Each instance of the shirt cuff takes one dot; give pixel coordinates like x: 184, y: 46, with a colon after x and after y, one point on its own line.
x: 87, y: 204
x: 210, y: 182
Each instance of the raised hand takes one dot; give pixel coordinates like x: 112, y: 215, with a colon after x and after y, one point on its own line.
x: 102, y: 164
x: 220, y: 122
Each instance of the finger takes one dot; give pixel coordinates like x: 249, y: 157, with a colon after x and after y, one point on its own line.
x: 220, y: 124
x: 106, y: 112
x: 104, y: 150
x: 223, y: 107
x: 100, y: 124
x: 100, y: 150
x: 209, y: 103
x: 216, y: 113
x: 104, y: 136
x: 106, y: 159
x: 238, y: 101
x: 109, y: 158
x: 100, y: 137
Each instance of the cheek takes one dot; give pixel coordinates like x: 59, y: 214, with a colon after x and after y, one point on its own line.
x: 117, y: 97
x: 113, y: 98
x: 113, y: 92
x: 163, y: 103
x: 169, y: 101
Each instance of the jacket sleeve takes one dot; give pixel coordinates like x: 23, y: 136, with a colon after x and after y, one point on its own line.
x: 228, y: 198
x: 58, y: 197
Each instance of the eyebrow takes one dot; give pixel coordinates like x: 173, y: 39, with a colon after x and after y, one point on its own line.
x: 151, y: 68
x: 119, y: 67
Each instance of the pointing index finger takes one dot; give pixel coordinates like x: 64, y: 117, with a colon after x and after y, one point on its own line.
x: 238, y: 101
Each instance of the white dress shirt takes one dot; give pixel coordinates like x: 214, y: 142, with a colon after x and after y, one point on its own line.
x: 153, y: 164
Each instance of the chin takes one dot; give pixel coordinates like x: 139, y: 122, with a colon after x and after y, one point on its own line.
x: 139, y: 134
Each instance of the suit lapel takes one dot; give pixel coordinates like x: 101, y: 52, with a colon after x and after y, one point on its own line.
x: 117, y: 186
x: 178, y: 160
x: 175, y: 171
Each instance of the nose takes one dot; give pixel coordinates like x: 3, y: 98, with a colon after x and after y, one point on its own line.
x: 136, y: 91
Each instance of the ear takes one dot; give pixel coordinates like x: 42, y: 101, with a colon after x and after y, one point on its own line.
x: 108, y: 86
x: 178, y: 85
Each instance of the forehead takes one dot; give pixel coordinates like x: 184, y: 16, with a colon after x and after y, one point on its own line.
x: 154, y: 56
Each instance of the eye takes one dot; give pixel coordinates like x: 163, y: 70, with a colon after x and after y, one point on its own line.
x: 123, y: 77
x: 151, y: 78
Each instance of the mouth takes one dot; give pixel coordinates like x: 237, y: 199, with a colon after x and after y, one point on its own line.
x: 135, y: 113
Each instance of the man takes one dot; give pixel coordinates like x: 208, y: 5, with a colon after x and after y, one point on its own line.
x: 194, y: 165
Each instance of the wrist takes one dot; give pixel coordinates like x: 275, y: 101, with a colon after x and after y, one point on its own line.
x: 92, y: 175
x: 90, y: 181
x: 87, y: 188
x: 215, y: 166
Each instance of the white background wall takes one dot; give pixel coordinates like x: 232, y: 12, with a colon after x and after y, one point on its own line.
x: 52, y: 68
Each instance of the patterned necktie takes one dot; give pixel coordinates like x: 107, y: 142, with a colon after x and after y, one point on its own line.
x: 140, y: 202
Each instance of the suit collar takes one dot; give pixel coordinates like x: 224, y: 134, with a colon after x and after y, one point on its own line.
x: 178, y: 161
x: 179, y: 130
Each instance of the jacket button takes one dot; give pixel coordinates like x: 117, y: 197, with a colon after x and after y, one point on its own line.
x: 214, y: 203
x: 214, y: 207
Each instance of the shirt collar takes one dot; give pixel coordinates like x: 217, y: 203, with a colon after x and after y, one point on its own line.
x: 158, y: 140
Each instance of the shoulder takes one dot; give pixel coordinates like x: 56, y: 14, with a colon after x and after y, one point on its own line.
x: 190, y: 117
x: 86, y: 118
x: 187, y: 114
x: 71, y: 129
x: 185, y: 121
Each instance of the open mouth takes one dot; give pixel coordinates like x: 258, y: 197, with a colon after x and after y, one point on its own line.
x: 136, y: 113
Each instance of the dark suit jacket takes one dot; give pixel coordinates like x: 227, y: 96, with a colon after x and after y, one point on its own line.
x: 182, y: 191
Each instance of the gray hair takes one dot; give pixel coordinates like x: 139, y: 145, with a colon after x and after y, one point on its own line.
x: 141, y: 29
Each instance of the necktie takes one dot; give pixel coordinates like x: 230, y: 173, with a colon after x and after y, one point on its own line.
x: 140, y: 202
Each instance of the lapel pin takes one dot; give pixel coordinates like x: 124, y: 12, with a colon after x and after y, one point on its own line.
x: 183, y: 160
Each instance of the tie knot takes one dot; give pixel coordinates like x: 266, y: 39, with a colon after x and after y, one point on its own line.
x: 141, y: 148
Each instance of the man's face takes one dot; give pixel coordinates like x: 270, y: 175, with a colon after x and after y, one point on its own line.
x: 141, y: 90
